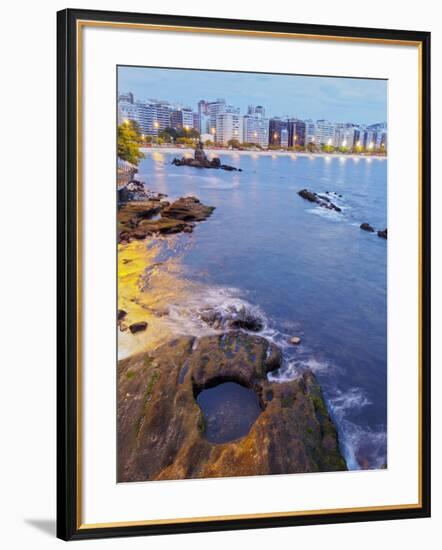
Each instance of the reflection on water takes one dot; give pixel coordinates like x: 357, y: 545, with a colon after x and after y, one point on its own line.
x: 312, y: 273
x: 230, y: 410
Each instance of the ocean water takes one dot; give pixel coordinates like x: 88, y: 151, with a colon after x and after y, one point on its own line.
x: 304, y: 270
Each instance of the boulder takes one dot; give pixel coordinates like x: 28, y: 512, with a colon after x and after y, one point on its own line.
x: 121, y: 314
x: 200, y: 160
x: 320, y: 200
x: 138, y: 219
x: 138, y: 327
x: 161, y: 428
x: 366, y: 227
x: 382, y: 234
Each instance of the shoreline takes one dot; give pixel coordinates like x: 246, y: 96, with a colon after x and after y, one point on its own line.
x: 233, y: 152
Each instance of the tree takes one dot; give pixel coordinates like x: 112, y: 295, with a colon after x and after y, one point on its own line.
x: 233, y: 143
x: 209, y: 143
x: 129, y: 141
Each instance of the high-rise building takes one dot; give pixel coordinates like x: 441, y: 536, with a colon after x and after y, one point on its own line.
x: 325, y: 132
x: 297, y: 132
x: 310, y: 131
x: 215, y: 108
x: 182, y: 118
x: 284, y: 137
x: 381, y: 140
x: 127, y: 111
x: 256, y: 110
x: 203, y: 115
x: 229, y: 126
x: 196, y: 122
x: 369, y: 139
x: 256, y: 130
x: 346, y: 135
x: 152, y: 116
x: 161, y: 111
x: 127, y: 98
x: 276, y: 125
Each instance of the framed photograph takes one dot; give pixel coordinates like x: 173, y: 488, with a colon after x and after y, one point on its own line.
x: 243, y: 274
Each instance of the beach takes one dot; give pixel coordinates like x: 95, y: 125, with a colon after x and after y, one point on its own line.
x: 215, y: 152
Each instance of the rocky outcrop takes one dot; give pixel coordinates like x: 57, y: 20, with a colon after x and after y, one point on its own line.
x: 138, y: 219
x: 367, y: 227
x: 136, y: 191
x: 232, y: 318
x: 320, y: 200
x: 161, y: 428
x: 200, y: 160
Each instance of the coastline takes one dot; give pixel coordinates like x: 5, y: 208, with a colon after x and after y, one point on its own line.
x: 212, y: 152
x: 189, y: 344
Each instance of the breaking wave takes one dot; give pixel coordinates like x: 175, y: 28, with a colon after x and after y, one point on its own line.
x: 214, y: 310
x: 363, y: 447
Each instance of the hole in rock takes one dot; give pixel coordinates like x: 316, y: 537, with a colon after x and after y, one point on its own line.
x: 229, y: 409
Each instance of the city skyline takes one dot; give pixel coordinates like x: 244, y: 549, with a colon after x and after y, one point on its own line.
x: 360, y: 101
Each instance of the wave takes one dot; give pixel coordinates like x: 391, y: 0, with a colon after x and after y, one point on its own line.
x: 215, y: 310
x: 331, y: 215
x: 363, y: 447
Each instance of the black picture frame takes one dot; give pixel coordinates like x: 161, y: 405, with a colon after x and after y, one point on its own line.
x: 68, y: 520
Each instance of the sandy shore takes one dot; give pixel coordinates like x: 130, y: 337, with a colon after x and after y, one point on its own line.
x: 211, y: 152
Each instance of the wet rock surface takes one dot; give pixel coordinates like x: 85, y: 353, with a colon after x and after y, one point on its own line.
x: 367, y: 227
x: 162, y: 429
x: 321, y: 200
x: 138, y: 219
x: 138, y: 327
x: 233, y: 318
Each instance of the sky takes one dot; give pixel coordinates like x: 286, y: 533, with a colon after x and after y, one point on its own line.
x: 361, y: 101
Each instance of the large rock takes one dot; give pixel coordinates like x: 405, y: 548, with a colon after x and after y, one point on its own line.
x: 138, y: 219
x: 320, y: 200
x: 188, y: 209
x: 200, y: 160
x: 367, y: 227
x: 161, y: 428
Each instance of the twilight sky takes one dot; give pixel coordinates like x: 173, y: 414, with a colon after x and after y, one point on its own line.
x: 336, y: 99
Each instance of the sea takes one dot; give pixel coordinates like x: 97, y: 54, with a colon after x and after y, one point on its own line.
x: 303, y: 270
